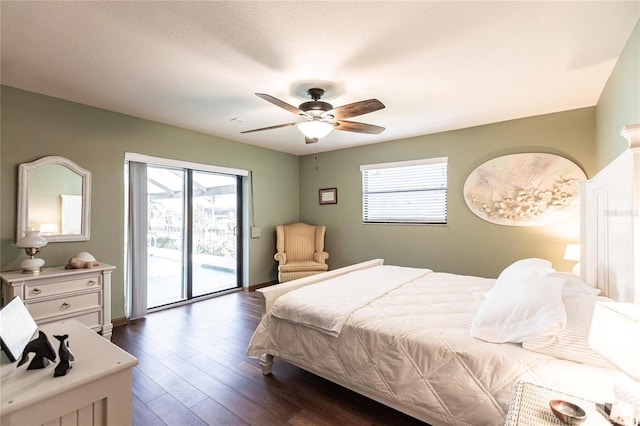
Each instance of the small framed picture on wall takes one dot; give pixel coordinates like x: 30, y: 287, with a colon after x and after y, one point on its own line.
x: 328, y: 196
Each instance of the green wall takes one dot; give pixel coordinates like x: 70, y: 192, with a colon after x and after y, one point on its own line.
x: 467, y: 244
x: 619, y: 104
x: 34, y: 126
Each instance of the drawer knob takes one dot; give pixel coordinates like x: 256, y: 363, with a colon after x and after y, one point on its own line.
x: 36, y: 291
x: 92, y: 282
x: 64, y: 306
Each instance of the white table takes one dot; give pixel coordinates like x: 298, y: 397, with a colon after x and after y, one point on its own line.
x: 530, y: 407
x: 96, y: 391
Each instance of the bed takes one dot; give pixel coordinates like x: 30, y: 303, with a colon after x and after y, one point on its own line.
x: 403, y: 336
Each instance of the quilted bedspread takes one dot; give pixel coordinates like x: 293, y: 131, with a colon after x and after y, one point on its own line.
x: 410, y: 348
x: 321, y: 307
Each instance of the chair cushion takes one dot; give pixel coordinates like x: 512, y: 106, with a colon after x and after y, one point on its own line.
x: 303, y: 265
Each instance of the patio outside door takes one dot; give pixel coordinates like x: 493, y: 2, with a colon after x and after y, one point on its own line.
x: 215, y: 233
x: 192, y: 234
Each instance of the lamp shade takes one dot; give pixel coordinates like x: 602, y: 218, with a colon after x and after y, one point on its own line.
x: 31, y: 239
x: 572, y: 252
x: 315, y: 129
x: 49, y: 228
x: 615, y: 334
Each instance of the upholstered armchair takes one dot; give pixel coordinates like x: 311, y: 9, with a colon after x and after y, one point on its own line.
x: 300, y: 251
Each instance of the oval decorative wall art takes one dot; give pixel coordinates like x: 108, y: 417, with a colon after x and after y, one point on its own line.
x: 528, y: 189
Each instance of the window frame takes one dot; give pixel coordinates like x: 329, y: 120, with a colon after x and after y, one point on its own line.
x: 437, y: 184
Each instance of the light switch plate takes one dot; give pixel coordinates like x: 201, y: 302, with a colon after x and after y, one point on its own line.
x: 256, y: 232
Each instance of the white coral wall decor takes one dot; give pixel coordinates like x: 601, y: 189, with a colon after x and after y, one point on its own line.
x: 528, y: 189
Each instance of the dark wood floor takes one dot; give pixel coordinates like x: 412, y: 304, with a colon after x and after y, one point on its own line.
x: 193, y: 371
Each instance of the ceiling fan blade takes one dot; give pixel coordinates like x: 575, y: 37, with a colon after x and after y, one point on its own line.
x: 356, y: 108
x: 309, y: 140
x: 269, y: 128
x: 282, y: 104
x: 354, y: 126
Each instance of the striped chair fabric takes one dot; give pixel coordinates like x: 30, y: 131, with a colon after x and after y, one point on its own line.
x: 300, y: 251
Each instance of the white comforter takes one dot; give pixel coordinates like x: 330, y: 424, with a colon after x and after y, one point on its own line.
x: 409, y: 347
x: 321, y: 307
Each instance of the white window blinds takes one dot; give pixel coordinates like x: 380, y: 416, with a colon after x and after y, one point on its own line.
x: 405, y: 192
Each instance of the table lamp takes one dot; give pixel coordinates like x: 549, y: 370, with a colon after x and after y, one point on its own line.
x: 32, y: 242
x: 49, y: 229
x: 572, y: 253
x: 615, y: 334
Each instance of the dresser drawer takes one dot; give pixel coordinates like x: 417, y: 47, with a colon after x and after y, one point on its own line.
x: 57, y: 293
x: 38, y: 290
x: 64, y: 305
x: 93, y: 320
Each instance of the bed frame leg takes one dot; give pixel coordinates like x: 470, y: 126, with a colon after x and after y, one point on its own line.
x: 266, y: 362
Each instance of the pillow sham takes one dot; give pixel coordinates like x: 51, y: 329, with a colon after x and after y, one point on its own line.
x: 572, y: 343
x: 575, y: 285
x: 521, y: 306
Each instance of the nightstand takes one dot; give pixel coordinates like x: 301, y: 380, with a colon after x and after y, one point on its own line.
x: 530, y: 407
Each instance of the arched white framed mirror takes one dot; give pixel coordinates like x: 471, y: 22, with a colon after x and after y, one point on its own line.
x: 54, y: 196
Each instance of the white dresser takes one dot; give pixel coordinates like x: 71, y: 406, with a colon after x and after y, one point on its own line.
x: 95, y: 392
x: 57, y: 294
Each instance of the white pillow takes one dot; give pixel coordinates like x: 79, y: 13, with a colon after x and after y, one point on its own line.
x: 572, y: 343
x: 524, y: 303
x: 575, y: 285
x: 526, y: 267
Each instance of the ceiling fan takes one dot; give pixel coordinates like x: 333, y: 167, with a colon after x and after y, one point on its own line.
x: 321, y: 117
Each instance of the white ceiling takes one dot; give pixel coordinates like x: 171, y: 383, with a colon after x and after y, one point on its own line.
x: 437, y: 65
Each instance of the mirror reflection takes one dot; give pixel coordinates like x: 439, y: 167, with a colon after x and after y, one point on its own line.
x: 54, y: 199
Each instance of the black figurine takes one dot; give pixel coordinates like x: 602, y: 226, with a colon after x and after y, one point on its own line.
x: 43, y: 350
x: 66, y: 357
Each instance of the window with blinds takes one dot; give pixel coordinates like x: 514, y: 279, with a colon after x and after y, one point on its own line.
x: 405, y: 192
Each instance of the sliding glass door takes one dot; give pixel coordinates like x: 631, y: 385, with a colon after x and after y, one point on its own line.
x: 166, y: 217
x: 192, y: 234
x: 214, y: 251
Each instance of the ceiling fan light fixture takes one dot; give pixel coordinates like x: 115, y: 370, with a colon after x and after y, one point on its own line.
x: 322, y: 117
x: 315, y: 129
